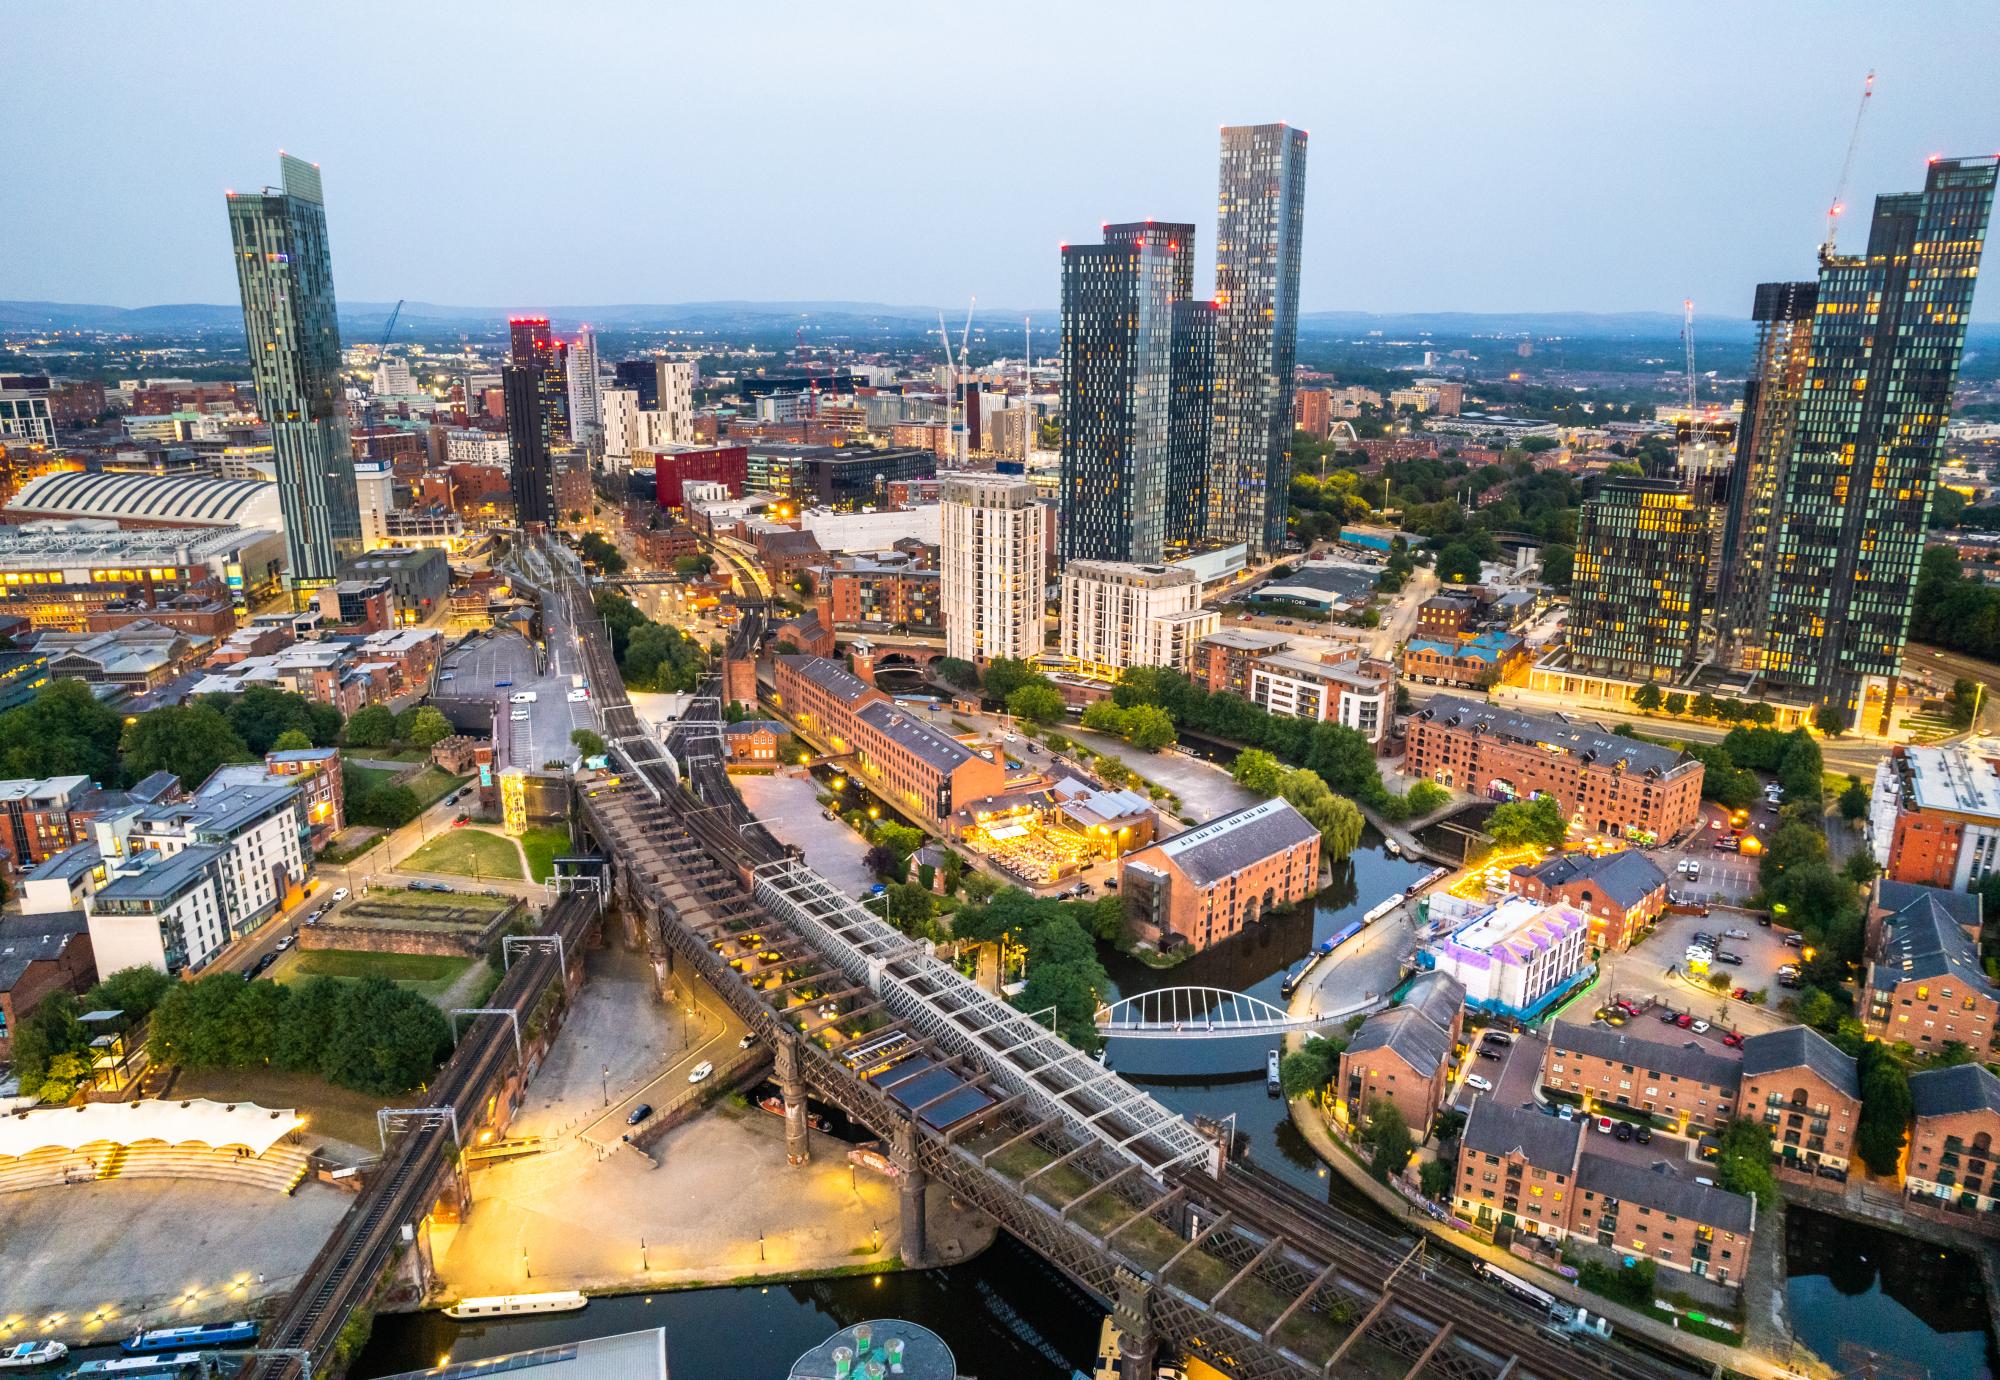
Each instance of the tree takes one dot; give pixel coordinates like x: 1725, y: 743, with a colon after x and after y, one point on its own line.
x: 391, y: 807
x: 1458, y: 563
x: 1426, y: 796
x: 134, y: 991
x: 1676, y: 703
x: 427, y: 727
x: 1435, y: 1176
x: 1832, y: 720
x: 64, y: 731
x: 1859, y: 868
x: 1311, y: 1067
x: 1149, y: 728
x: 52, y: 1030
x: 910, y: 907
x: 1885, y: 1109
x: 1801, y: 769
x: 596, y: 551
x: 1387, y: 1138
x: 1744, y: 1162
x: 1539, y: 822
x: 1258, y: 771
x: 292, y: 740
x: 372, y: 726
x: 1854, y: 801
x: 1105, y: 717
x: 1005, y: 675
x: 66, y: 1073
x: 690, y: 567
x: 957, y: 671
x: 587, y: 743
x: 190, y: 741
x: 1647, y: 697
x: 260, y: 713
x: 1338, y: 822
x: 1038, y: 704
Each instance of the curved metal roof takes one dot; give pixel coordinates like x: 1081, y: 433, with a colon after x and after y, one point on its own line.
x: 191, y: 499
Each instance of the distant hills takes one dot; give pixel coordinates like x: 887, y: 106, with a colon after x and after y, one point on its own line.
x: 365, y: 320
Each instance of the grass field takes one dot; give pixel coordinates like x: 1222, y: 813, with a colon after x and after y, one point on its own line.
x: 543, y: 847
x: 360, y: 781
x: 428, y: 975
x: 417, y: 905
x: 330, y: 1111
x: 433, y: 784
x: 414, y: 756
x: 468, y: 852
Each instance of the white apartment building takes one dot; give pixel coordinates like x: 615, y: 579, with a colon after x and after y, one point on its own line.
x: 467, y: 446
x: 586, y: 410
x: 24, y: 410
x: 1117, y: 614
x: 394, y: 379
x: 258, y: 831
x: 375, y: 491
x: 1348, y: 690
x: 994, y: 581
x: 1513, y: 956
x: 629, y: 427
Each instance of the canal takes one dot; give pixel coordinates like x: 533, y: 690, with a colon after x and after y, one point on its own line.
x: 1867, y: 1300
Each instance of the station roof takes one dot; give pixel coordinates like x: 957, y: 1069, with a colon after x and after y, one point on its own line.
x: 194, y: 1122
x: 195, y: 500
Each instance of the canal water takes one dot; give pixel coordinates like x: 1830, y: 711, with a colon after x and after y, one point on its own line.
x: 1860, y: 1296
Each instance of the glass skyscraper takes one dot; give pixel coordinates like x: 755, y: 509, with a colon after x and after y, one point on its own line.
x: 1784, y: 314
x: 284, y: 272
x: 1636, y: 591
x: 1888, y: 329
x: 1117, y: 337
x: 1260, y: 225
x: 536, y: 391
x: 1190, y: 420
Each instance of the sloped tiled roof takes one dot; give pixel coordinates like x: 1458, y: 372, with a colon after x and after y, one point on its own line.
x: 1546, y: 1142
x: 1233, y: 842
x: 1665, y: 1192
x: 1797, y: 1046
x: 1960, y: 1088
x: 1924, y: 938
x: 1577, y: 737
x: 1625, y: 878
x: 1407, y: 1032
x: 1688, y: 1057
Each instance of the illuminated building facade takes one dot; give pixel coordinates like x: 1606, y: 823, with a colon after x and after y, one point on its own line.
x: 1641, y: 563
x: 284, y: 272
x: 1260, y: 229
x: 994, y: 571
x: 1887, y: 334
x: 537, y: 395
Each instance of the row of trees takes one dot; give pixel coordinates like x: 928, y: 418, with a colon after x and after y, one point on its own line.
x: 369, y: 1035
x: 1145, y: 726
x: 1338, y: 821
x: 1703, y: 706
x: 650, y: 656
x: 52, y: 1047
x: 1953, y: 612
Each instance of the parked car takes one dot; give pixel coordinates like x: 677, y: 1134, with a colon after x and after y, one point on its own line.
x: 1684, y: 1020
x: 1733, y: 1039
x: 1496, y: 1037
x: 1565, y: 1112
x: 1644, y: 1135
x: 1795, y: 940
x: 1622, y: 1131
x: 1699, y: 1027
x: 700, y: 1071
x: 1736, y: 934
x: 1735, y: 960
x: 1668, y: 1017
x: 746, y: 1042
x: 1493, y: 1054
x: 1477, y: 1083
x: 285, y: 943
x: 340, y: 893
x: 639, y: 1114
x: 261, y: 964
x: 1603, y: 1124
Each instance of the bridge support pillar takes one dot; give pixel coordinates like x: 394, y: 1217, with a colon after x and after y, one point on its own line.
x: 1131, y: 1311
x: 911, y: 1183
x: 792, y: 1088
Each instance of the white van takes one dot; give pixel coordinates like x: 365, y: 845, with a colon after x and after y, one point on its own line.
x: 524, y: 697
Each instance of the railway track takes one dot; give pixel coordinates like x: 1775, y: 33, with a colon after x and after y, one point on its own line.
x: 343, y: 1276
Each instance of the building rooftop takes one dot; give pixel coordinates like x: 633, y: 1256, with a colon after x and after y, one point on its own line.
x: 222, y: 808
x: 27, y: 939
x: 1546, y: 1142
x: 1798, y: 1046
x: 1690, y: 1058
x: 1233, y: 842
x: 830, y: 676
x: 1659, y: 1189
x: 1408, y: 1033
x: 1925, y: 937
x: 1489, y: 646
x: 940, y: 750
x: 150, y: 875
x: 1625, y: 878
x: 1440, y: 997
x: 1959, y: 1088
x: 1516, y: 931
x: 1248, y: 640
x: 1962, y: 778
x: 1343, y: 582
x: 198, y: 500
x: 1593, y: 742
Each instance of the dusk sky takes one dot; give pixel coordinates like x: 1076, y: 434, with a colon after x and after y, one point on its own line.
x: 1601, y: 157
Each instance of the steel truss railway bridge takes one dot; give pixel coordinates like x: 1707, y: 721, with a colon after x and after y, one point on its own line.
x: 1191, y: 1251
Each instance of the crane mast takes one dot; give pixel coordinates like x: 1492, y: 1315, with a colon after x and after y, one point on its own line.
x: 1687, y: 339
x: 1839, y: 203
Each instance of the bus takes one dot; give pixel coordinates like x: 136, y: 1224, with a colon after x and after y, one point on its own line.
x: 1515, y: 1285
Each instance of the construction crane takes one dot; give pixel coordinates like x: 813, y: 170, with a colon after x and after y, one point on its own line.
x: 953, y: 391
x: 1839, y: 203
x: 1687, y: 338
x: 382, y: 351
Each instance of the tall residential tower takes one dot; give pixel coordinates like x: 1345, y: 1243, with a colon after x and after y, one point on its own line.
x: 537, y: 397
x: 1887, y: 333
x: 994, y: 582
x: 284, y: 271
x: 1260, y: 226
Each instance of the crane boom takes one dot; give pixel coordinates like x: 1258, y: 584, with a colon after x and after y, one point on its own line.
x: 1687, y: 337
x: 389, y: 330
x: 1839, y: 204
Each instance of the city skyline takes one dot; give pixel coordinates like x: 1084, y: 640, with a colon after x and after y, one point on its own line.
x: 1443, y: 186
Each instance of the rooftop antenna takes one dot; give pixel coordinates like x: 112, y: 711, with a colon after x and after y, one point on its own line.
x: 1839, y: 204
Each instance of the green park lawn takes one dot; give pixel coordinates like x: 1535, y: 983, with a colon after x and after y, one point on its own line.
x: 433, y: 784
x: 361, y: 781
x: 414, y: 756
x: 467, y: 852
x: 329, y: 1111
x: 428, y: 975
x: 543, y: 847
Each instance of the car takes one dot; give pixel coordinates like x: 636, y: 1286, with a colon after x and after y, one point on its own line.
x: 700, y: 1072
x: 1630, y: 1007
x: 1477, y: 1083
x: 1735, y: 960
x: 461, y: 821
x: 1496, y: 1037
x: 1684, y: 1020
x: 1668, y: 1017
x: 1704, y: 938
x: 1697, y: 955
x: 1789, y: 980
x: 519, y: 716
x: 1644, y: 1135
x: 1603, y: 1125
x: 1008, y: 738
x: 1565, y: 1112
x: 1615, y: 1017
x: 746, y: 1042
x: 1699, y: 1027
x: 1685, y: 864
x: 285, y: 943
x: 1694, y: 868
x: 1736, y: 934
x: 1740, y: 993
x: 502, y: 684
x: 1733, y: 1039
x: 448, y: 675
x: 524, y: 697
x: 1795, y: 940
x: 1035, y: 748
x: 577, y: 696
x: 1622, y: 1131
x: 340, y: 893
x: 639, y: 1114
x: 1492, y: 1054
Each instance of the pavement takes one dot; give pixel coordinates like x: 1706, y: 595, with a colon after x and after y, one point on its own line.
x: 110, y: 1257
x: 1360, y: 974
x: 492, y: 670
x: 1205, y: 789
x: 789, y: 807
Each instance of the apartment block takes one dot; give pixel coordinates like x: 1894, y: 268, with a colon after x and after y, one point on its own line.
x: 1925, y: 985
x: 1117, y: 614
x: 1203, y: 886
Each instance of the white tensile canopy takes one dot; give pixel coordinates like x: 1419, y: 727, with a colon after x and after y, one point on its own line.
x: 196, y: 1122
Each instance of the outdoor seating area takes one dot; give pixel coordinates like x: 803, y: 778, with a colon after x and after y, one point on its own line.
x: 1033, y: 852
x: 194, y: 1139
